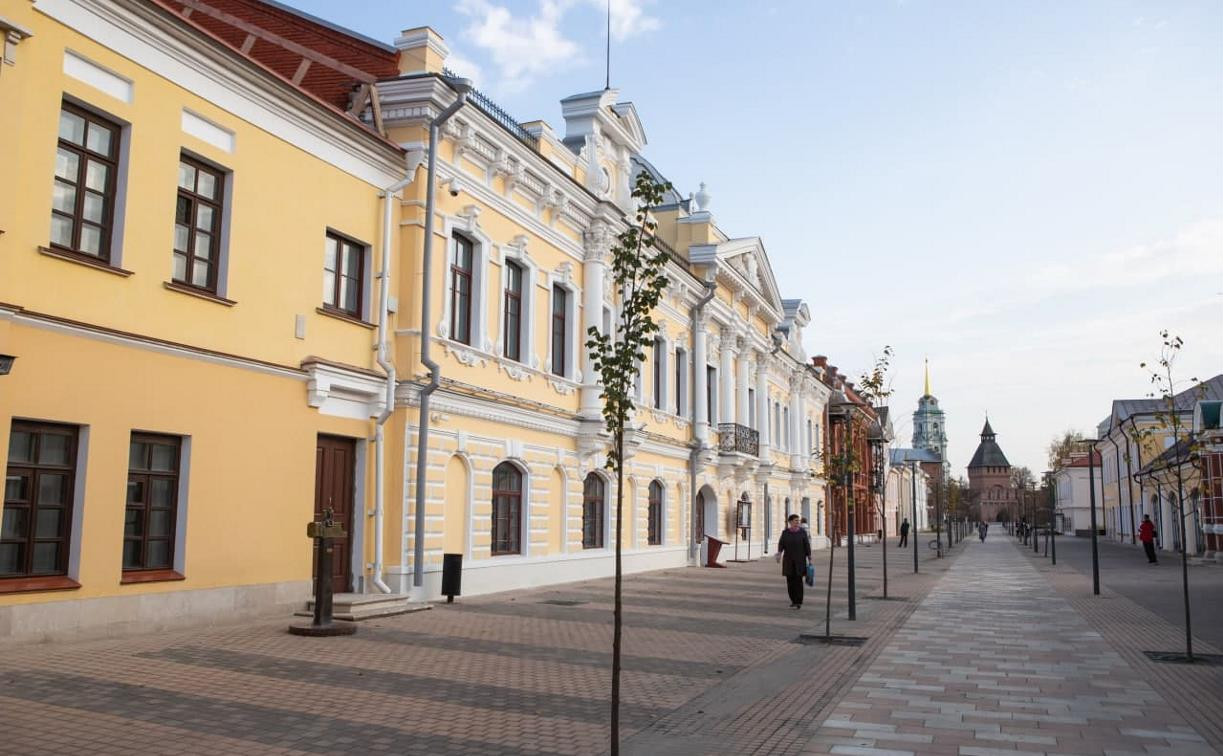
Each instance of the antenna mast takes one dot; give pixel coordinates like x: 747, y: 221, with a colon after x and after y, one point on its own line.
x: 607, y: 81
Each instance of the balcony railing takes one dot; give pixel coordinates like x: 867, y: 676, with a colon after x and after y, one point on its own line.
x: 733, y: 437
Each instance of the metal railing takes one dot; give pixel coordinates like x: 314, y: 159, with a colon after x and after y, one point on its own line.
x: 494, y: 111
x: 733, y: 437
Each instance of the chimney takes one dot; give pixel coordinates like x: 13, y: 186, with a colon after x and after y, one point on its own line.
x: 819, y: 360
x: 421, y: 50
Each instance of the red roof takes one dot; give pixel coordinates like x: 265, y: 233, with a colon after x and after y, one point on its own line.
x: 286, y: 41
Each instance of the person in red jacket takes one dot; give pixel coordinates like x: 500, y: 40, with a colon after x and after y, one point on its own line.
x: 1146, y: 534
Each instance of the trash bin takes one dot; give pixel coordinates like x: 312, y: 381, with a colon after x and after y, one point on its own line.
x: 452, y: 576
x: 714, y: 548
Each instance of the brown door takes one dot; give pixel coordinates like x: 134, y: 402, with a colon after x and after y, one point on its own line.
x: 334, y: 464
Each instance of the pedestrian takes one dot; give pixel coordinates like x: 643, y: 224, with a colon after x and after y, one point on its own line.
x: 1147, y: 534
x: 982, y: 529
x: 794, y: 551
x: 904, y: 533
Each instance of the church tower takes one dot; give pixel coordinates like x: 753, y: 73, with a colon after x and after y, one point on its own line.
x: 929, y: 428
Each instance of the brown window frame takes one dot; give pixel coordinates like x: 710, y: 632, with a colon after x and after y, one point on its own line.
x: 460, y: 274
x: 195, y: 200
x: 507, y: 510
x: 146, y: 475
x: 594, y: 504
x: 83, y: 155
x: 338, y: 277
x: 32, y: 506
x: 656, y: 358
x: 654, y: 514
x: 560, y: 328
x: 513, y: 320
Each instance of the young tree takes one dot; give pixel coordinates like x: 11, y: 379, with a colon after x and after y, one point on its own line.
x: 637, y: 269
x: 1182, y: 451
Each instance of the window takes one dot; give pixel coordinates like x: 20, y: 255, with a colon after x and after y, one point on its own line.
x: 681, y: 383
x: 810, y: 436
x: 152, y: 502
x: 751, y: 408
x: 460, y: 290
x: 654, y: 527
x: 83, y: 196
x: 507, y: 509
x: 343, y: 274
x: 593, y: 504
x: 660, y: 377
x: 38, y: 488
x: 785, y: 425
x: 560, y: 328
x: 197, y: 225
x: 711, y: 390
x: 513, y: 311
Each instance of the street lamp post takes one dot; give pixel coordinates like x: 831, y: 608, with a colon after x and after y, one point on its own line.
x: 1091, y: 487
x: 879, y: 486
x: 844, y: 410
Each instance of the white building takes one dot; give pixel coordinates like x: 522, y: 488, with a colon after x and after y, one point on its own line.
x: 1072, y: 493
x: 905, y: 477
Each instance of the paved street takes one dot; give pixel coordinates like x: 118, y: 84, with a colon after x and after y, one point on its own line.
x: 1124, y: 569
x: 715, y: 664
x: 995, y: 660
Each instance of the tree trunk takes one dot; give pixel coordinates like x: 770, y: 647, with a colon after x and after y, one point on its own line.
x: 616, y: 612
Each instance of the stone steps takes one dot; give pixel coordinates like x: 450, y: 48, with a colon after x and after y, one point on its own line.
x: 354, y: 607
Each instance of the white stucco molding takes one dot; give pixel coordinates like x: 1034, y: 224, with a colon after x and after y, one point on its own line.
x: 343, y: 391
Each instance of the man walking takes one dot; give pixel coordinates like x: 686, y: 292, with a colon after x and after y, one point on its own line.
x: 1146, y: 534
x: 904, y: 533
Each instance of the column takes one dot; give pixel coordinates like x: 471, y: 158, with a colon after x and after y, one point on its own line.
x: 700, y: 387
x: 796, y: 408
x: 597, y: 241
x: 763, y: 416
x: 741, y: 385
x: 726, y: 376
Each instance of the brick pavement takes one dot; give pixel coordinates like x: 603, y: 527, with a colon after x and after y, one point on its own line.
x: 711, y: 666
x: 995, y: 661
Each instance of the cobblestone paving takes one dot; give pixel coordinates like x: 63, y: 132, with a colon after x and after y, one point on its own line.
x: 994, y: 662
x: 711, y: 667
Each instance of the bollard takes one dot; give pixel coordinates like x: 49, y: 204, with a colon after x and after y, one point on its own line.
x: 452, y: 576
x: 324, y: 533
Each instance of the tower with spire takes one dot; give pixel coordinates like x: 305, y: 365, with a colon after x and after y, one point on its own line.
x: 989, y: 479
x: 929, y: 424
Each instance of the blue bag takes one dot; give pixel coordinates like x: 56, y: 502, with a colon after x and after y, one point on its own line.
x: 811, y: 574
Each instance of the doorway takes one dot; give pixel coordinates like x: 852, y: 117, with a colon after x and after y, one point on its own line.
x: 334, y: 467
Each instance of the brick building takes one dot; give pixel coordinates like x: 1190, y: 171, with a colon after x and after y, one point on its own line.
x: 989, y: 479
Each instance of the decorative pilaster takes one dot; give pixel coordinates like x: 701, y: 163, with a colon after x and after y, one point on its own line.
x: 763, y: 416
x: 597, y: 242
x: 700, y: 383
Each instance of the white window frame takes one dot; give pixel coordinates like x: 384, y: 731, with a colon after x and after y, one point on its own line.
x: 480, y: 246
x: 530, y: 275
x: 571, y: 330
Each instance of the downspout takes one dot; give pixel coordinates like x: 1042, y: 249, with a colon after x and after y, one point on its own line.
x: 698, y: 312
x: 462, y: 86
x: 387, y: 366
x: 1117, y: 450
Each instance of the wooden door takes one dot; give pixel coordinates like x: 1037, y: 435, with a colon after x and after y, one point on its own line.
x: 334, y: 465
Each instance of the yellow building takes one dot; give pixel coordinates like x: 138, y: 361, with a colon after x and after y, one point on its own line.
x: 191, y: 270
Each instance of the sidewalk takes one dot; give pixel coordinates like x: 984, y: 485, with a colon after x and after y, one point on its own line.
x: 712, y: 666
x: 996, y: 661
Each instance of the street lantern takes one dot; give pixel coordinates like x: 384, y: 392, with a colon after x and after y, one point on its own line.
x: 879, y: 488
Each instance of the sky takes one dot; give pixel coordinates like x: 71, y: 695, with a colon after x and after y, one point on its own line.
x: 1025, y: 193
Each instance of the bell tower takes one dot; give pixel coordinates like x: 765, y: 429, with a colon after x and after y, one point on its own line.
x: 929, y: 426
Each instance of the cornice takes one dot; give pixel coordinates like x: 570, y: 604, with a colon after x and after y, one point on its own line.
x: 150, y: 37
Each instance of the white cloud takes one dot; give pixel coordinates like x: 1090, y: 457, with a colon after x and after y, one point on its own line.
x: 521, y: 48
x: 526, y: 46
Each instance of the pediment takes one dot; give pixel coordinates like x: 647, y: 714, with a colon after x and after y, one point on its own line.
x: 748, y: 258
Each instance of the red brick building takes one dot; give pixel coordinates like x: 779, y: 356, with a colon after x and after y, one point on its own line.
x: 989, y: 480
x: 849, y: 420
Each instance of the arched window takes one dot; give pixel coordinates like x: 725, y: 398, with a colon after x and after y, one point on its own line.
x: 654, y: 537
x: 507, y: 509
x: 593, y: 503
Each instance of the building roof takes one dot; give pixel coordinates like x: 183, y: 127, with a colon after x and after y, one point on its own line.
x: 901, y: 456
x: 315, y: 55
x: 1123, y: 409
x: 988, y: 453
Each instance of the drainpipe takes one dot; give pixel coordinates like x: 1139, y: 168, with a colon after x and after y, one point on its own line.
x: 462, y: 86
x: 698, y: 312
x: 388, y: 367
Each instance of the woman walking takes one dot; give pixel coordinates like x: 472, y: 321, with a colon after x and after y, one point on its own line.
x: 794, y: 551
